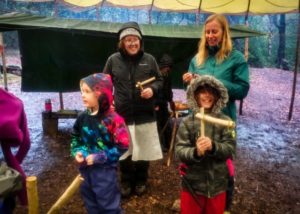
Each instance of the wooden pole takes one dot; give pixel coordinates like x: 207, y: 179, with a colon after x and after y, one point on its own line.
x: 61, y: 101
x: 32, y: 195
x: 150, y: 11
x: 296, y: 69
x: 246, y: 51
x: 198, y: 13
x: 69, y: 192
x: 3, y: 62
x: 171, y: 148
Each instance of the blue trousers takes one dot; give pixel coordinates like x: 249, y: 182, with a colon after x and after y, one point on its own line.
x: 100, y: 190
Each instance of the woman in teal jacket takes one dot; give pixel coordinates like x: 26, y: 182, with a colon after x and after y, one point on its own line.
x: 217, y: 57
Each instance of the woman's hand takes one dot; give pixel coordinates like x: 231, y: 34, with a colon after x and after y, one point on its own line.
x: 187, y: 77
x: 147, y: 93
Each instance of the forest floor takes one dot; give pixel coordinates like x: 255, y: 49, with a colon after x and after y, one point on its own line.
x: 267, y: 169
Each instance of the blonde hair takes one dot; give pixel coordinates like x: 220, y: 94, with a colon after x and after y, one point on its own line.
x: 226, y: 44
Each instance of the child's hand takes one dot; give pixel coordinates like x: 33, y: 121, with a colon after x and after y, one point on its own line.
x: 90, y: 159
x: 203, y: 144
x: 79, y: 157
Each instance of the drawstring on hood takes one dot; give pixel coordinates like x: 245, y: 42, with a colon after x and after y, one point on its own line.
x: 214, y: 83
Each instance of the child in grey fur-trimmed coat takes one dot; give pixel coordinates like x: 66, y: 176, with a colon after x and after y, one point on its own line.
x: 203, y: 170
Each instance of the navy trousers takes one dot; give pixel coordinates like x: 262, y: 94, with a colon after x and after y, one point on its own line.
x: 100, y: 190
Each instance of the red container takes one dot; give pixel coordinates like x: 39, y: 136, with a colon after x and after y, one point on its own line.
x: 48, y: 105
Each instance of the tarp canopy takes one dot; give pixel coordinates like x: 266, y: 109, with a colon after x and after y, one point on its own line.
x: 203, y: 6
x: 56, y: 53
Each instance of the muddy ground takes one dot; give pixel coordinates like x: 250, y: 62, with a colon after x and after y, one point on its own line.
x: 267, y: 163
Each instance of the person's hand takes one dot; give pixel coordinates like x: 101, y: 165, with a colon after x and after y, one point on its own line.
x: 203, y: 144
x: 156, y: 108
x: 90, y: 159
x: 172, y: 106
x: 187, y: 77
x: 79, y: 157
x: 112, y: 106
x: 147, y: 93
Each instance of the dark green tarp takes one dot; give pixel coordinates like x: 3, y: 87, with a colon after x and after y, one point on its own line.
x: 56, y: 53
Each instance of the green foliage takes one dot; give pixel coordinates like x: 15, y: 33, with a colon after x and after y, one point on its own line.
x: 263, y: 50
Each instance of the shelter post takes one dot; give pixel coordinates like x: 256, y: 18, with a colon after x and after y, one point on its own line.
x: 61, y: 101
x: 296, y: 70
x: 3, y: 61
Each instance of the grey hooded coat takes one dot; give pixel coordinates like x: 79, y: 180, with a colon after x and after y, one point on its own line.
x: 206, y: 174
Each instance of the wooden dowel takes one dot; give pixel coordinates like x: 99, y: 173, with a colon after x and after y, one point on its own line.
x: 171, y: 148
x: 141, y: 84
x: 202, y: 126
x: 32, y: 195
x: 210, y: 119
x: 69, y: 192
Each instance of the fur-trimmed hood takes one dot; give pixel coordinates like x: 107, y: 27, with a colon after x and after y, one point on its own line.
x: 213, y: 82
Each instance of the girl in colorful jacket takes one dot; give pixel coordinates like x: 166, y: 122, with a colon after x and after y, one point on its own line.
x: 99, y: 138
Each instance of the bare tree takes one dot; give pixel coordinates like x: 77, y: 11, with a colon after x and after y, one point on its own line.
x: 280, y: 59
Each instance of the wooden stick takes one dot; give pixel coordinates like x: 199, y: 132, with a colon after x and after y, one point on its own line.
x: 164, y: 127
x: 69, y: 192
x: 171, y: 148
x: 141, y: 84
x: 202, y: 127
x: 210, y: 119
x: 32, y: 195
x: 3, y: 62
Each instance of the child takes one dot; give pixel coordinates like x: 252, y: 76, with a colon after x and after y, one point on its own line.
x: 204, y: 171
x: 99, y: 138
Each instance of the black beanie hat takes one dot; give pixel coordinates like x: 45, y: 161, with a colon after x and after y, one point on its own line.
x: 165, y: 61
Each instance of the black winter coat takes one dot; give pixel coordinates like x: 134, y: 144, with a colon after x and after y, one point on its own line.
x: 126, y: 71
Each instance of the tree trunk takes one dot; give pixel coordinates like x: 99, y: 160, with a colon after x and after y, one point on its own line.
x: 280, y: 60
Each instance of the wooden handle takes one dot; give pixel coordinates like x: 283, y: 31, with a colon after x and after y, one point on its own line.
x: 210, y: 119
x: 141, y: 84
x: 202, y: 127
